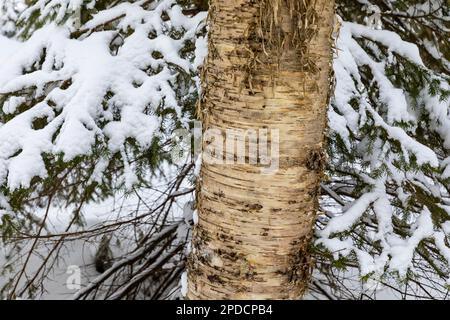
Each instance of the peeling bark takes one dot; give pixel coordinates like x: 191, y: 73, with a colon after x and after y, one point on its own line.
x: 269, y: 66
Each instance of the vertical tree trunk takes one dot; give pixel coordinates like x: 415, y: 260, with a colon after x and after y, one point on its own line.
x: 268, y: 67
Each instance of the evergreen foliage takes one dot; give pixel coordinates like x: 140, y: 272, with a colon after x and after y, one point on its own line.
x: 94, y: 89
x: 389, y: 143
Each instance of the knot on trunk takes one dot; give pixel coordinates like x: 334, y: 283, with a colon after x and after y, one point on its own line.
x: 316, y: 160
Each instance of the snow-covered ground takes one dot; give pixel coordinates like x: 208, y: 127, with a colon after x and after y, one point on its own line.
x: 74, y: 254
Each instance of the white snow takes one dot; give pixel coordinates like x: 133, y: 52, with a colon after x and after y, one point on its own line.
x: 373, y: 205
x: 184, y: 284
x: 76, y: 116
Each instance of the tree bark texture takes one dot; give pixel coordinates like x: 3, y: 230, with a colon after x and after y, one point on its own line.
x: 268, y: 67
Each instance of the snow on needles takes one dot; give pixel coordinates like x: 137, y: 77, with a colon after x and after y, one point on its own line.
x: 99, y: 87
x: 391, y: 122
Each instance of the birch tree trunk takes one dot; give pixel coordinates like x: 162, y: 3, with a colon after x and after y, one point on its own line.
x: 269, y: 68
